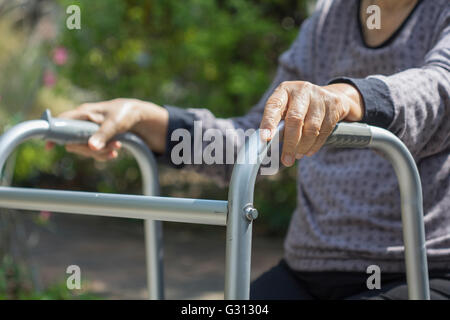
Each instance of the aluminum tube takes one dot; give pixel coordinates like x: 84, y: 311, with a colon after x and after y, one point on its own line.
x: 212, y: 212
x: 239, y: 227
x: 347, y: 135
x: 153, y: 232
x: 412, y: 210
x: 18, y: 134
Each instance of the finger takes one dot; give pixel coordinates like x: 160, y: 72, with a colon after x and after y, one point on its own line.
x: 80, y: 149
x: 115, y: 144
x: 328, y: 125
x: 96, y: 117
x: 87, y: 111
x: 76, y: 114
x: 313, y: 123
x: 85, y: 150
x: 102, y: 155
x: 108, y: 129
x: 105, y: 156
x: 273, y: 112
x: 293, y: 124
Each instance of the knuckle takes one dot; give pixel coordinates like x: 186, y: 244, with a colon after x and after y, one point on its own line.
x: 333, y: 118
x: 268, y: 122
x: 305, y: 85
x: 331, y: 100
x: 294, y: 119
x: 275, y: 103
x: 312, y: 129
x: 284, y: 84
x: 311, y: 132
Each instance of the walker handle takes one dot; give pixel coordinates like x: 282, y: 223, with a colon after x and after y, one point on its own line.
x: 65, y: 131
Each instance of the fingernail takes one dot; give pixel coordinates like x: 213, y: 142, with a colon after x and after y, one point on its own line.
x: 288, y: 160
x: 265, y: 134
x: 96, y: 143
x: 309, y: 154
x: 112, y: 155
x: 298, y: 156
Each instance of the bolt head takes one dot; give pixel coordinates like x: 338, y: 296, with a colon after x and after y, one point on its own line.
x: 251, y: 213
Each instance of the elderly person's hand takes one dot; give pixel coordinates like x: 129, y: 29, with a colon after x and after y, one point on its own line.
x: 145, y: 119
x: 310, y: 114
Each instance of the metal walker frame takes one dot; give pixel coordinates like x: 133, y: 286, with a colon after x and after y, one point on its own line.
x: 237, y: 214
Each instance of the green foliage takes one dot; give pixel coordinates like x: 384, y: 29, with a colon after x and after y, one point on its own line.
x: 215, y: 54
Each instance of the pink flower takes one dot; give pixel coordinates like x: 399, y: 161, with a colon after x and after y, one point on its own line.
x: 60, y: 56
x: 49, y: 78
x: 44, y: 215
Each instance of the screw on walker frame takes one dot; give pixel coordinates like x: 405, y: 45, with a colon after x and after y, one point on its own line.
x: 237, y: 214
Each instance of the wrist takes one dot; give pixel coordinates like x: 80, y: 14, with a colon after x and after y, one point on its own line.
x: 352, y: 97
x: 151, y: 125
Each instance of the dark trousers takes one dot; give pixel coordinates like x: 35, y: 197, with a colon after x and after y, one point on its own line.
x: 283, y: 283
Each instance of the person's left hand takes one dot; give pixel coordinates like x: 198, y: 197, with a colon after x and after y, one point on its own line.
x: 310, y: 114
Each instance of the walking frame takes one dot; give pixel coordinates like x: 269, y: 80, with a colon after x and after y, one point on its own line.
x: 237, y: 214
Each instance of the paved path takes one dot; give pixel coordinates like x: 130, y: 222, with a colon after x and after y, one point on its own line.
x: 110, y: 253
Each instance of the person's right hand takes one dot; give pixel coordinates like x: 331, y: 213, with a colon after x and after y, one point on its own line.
x: 145, y: 119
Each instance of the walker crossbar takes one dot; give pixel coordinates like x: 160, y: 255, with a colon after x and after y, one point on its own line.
x: 237, y: 213
x: 212, y: 212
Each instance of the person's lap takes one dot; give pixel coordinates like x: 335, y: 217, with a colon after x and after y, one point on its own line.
x: 283, y: 283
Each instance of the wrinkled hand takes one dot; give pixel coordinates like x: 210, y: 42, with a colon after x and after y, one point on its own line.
x: 310, y: 114
x: 114, y: 117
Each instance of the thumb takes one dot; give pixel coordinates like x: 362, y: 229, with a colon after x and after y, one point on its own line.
x: 99, y: 140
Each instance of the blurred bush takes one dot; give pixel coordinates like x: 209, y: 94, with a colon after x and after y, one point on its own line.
x: 196, y: 53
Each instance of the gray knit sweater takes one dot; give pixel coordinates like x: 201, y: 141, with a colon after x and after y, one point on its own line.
x: 348, y: 213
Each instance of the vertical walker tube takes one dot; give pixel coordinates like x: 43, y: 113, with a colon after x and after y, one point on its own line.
x: 152, y: 229
x: 239, y: 227
x: 354, y: 135
x: 65, y: 131
x: 241, y: 214
x: 412, y: 210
